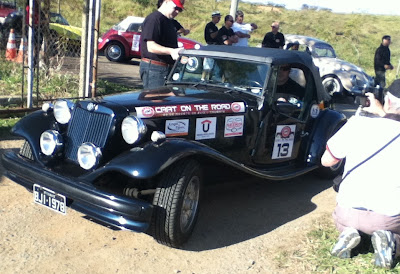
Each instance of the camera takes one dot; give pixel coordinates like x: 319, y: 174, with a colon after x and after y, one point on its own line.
x: 362, y: 99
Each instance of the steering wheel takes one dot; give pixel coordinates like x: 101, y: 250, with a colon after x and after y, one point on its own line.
x: 254, y: 83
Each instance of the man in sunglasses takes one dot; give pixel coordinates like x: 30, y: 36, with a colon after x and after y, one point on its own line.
x: 226, y: 35
x: 367, y: 200
x: 159, y: 44
x: 288, y: 90
x: 274, y: 39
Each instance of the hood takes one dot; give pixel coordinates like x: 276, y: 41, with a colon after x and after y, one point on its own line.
x: 71, y: 32
x: 176, y: 101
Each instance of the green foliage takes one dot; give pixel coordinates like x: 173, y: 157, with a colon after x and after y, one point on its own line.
x: 314, y: 255
x: 355, y: 37
x: 6, y: 124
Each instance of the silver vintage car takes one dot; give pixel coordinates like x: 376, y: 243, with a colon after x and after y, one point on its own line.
x: 336, y: 74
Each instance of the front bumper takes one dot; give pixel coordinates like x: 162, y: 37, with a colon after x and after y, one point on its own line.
x: 115, y: 211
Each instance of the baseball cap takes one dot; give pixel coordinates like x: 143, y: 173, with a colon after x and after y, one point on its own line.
x: 394, y: 88
x: 215, y: 13
x: 178, y: 3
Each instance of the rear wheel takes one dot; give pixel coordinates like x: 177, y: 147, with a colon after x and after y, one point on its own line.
x: 115, y: 52
x: 176, y: 202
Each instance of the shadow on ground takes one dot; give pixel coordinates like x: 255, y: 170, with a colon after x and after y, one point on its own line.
x: 237, y: 211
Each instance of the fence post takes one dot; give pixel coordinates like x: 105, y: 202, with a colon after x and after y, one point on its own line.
x: 30, y: 55
x: 82, y: 73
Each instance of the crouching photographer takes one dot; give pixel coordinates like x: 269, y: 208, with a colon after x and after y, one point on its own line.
x: 367, y: 200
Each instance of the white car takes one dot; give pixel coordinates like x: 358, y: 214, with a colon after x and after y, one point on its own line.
x: 336, y: 74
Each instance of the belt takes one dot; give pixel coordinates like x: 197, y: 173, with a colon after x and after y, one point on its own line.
x: 154, y: 62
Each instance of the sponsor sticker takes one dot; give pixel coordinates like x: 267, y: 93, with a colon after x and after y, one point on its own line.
x: 135, y: 42
x: 177, y: 127
x: 189, y: 109
x: 314, y: 111
x: 206, y: 128
x: 234, y: 126
x: 284, y: 140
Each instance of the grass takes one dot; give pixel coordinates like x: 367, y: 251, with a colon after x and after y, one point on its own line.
x: 314, y: 255
x: 5, y: 126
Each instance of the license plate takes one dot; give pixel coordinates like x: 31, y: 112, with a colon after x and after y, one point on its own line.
x: 50, y: 199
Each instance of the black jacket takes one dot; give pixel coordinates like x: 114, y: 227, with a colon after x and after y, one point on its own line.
x: 382, y: 58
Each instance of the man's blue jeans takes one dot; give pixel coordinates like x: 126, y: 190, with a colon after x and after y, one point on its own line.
x: 152, y: 75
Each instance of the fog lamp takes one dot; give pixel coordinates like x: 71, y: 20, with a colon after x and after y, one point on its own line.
x: 88, y: 155
x: 133, y: 129
x: 51, y: 142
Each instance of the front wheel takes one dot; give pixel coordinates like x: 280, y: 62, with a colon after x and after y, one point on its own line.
x: 332, y: 85
x: 176, y: 202
x: 115, y: 52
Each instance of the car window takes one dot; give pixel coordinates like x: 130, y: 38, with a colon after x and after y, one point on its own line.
x: 323, y: 50
x: 135, y: 27
x: 243, y: 76
x: 292, y: 85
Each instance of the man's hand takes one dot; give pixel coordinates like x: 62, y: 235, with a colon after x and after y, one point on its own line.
x: 175, y: 53
x: 388, y: 67
x: 375, y: 107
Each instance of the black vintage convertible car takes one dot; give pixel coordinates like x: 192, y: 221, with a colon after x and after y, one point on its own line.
x: 137, y: 160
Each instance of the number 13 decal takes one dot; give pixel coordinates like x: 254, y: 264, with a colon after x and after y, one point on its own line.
x: 284, y: 139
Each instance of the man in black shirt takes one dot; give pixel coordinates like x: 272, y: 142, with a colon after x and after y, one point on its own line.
x: 211, y: 30
x: 382, y: 61
x: 288, y: 88
x: 226, y: 35
x: 274, y: 39
x: 159, y: 44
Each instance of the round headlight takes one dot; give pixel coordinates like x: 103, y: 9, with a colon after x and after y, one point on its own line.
x: 62, y: 111
x: 133, y: 129
x: 51, y: 142
x: 88, y: 155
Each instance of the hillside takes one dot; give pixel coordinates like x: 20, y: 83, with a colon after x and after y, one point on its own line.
x: 354, y: 36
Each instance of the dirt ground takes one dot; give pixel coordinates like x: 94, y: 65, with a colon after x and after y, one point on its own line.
x: 243, y: 226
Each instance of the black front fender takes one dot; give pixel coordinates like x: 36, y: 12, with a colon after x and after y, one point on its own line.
x: 151, y: 159
x: 328, y: 123
x: 32, y: 126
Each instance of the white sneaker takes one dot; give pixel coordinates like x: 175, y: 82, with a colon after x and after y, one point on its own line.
x: 348, y: 240
x: 384, y: 248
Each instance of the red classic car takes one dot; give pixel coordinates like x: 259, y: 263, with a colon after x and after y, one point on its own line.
x: 121, y: 42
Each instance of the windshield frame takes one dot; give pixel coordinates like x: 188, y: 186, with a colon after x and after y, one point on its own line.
x: 228, y: 87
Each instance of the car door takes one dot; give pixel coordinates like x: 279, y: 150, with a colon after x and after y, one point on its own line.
x: 132, y: 35
x: 284, y: 129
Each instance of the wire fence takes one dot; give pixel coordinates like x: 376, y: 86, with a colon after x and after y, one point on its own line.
x: 56, y: 42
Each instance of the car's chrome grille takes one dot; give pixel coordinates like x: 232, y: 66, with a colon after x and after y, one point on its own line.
x: 86, y: 126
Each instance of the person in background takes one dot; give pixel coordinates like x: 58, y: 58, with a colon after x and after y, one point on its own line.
x: 274, y: 39
x: 368, y: 195
x: 211, y: 29
x: 180, y: 30
x: 159, y: 44
x: 226, y: 36
x: 382, y: 61
x: 287, y: 87
x: 210, y: 35
x: 242, y: 30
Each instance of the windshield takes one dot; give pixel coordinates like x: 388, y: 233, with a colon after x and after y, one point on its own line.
x: 246, y: 76
x: 323, y: 50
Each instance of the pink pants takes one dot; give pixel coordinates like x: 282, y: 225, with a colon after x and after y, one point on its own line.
x: 367, y: 222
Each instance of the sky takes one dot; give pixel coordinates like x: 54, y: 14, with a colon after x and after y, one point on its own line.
x: 386, y: 7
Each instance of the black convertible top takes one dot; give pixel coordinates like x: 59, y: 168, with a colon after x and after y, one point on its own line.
x: 263, y: 55
x: 268, y: 55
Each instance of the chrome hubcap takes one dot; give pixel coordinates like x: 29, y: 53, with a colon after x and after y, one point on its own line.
x: 114, y: 52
